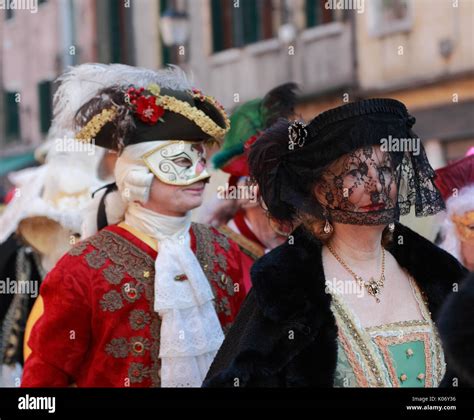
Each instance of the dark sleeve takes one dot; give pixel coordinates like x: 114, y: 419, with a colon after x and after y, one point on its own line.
x: 435, y: 270
x: 248, y: 340
x: 8, y: 253
x: 456, y: 328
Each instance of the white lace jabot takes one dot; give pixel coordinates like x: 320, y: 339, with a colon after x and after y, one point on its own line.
x: 191, y: 332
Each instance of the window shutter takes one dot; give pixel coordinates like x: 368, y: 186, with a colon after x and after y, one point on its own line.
x: 45, y: 105
x: 12, y: 116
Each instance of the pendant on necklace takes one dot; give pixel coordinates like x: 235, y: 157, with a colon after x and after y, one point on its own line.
x: 373, y: 287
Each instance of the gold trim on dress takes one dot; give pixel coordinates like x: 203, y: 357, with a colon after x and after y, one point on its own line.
x: 384, y: 342
x: 355, y: 339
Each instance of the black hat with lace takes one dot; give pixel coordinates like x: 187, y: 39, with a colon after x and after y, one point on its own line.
x: 367, y: 146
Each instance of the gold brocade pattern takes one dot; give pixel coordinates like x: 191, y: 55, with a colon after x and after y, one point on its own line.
x: 139, y: 319
x: 361, y: 355
x: 247, y: 246
x: 209, y: 261
x: 126, y: 258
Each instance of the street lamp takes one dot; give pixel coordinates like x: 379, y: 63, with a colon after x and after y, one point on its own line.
x: 287, y: 34
x: 174, y: 27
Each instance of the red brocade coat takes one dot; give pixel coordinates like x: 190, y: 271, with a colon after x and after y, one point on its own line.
x: 98, y: 327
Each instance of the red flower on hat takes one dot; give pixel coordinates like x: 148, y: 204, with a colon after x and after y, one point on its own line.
x: 147, y: 109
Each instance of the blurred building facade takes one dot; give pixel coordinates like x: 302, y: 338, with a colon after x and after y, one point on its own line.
x: 37, y: 44
x: 425, y: 57
x: 418, y: 51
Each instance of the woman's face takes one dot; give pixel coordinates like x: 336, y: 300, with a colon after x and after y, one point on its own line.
x: 362, y: 181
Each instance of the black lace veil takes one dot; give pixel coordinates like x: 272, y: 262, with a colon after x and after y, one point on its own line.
x: 363, y: 147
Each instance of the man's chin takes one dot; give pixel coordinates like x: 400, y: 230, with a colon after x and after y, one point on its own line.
x: 194, y: 202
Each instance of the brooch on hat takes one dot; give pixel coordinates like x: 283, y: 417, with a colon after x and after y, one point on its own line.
x: 297, y: 134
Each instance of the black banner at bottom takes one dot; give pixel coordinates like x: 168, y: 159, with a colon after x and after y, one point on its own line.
x: 142, y: 403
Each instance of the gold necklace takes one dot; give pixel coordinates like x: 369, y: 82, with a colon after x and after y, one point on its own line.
x: 374, y: 287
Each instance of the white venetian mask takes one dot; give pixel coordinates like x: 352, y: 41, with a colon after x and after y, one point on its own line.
x: 178, y: 162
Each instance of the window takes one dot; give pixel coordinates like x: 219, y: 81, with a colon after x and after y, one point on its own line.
x: 389, y: 16
x: 45, y: 105
x: 115, y: 32
x: 115, y: 37
x: 239, y: 23
x: 317, y: 13
x: 12, y: 116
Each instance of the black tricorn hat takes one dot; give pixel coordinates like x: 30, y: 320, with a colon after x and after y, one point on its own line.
x: 119, y: 116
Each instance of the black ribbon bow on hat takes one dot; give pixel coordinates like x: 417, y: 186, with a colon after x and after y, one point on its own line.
x: 410, y: 120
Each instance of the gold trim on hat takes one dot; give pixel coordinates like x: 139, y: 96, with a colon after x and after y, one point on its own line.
x: 169, y: 103
x: 92, y: 128
x: 203, y: 121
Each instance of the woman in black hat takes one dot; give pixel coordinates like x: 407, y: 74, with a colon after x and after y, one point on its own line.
x: 349, y: 300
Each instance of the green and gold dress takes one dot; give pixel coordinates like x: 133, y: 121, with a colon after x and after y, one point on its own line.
x: 399, y: 354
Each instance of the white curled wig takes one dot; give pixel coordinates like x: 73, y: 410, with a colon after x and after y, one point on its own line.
x: 80, y: 84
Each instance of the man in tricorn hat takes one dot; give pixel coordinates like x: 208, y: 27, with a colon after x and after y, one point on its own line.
x: 145, y: 301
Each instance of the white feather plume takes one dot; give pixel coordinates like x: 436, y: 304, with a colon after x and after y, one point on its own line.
x: 77, y: 85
